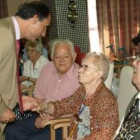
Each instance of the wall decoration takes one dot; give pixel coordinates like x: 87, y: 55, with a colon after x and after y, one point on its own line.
x: 72, y: 15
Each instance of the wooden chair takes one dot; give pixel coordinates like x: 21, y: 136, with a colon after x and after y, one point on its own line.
x: 80, y: 55
x: 63, y: 123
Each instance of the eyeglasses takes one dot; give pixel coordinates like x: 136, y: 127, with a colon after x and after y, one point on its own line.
x: 31, y: 50
x: 86, y: 67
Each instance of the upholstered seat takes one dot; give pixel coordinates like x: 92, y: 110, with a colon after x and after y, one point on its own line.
x: 108, y: 81
x: 126, y: 90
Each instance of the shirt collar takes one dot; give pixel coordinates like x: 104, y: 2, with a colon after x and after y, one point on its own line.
x: 138, y: 96
x: 17, y: 30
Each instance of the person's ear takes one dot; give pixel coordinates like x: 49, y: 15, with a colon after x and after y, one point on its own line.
x: 34, y: 19
x: 74, y: 56
x: 52, y: 57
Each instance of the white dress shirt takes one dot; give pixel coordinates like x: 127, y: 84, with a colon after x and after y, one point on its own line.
x: 29, y: 71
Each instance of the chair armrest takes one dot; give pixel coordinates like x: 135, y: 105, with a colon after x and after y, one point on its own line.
x: 61, y: 124
x: 57, y: 123
x: 64, y: 125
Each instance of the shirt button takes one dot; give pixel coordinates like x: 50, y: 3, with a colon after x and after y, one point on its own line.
x: 59, y: 80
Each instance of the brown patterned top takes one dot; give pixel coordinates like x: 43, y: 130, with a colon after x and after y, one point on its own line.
x: 103, y: 110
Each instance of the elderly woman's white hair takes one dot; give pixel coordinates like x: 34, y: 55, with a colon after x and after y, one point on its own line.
x: 35, y: 44
x: 101, y: 62
x: 54, y: 43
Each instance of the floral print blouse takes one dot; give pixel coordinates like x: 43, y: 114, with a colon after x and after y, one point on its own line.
x: 103, y: 107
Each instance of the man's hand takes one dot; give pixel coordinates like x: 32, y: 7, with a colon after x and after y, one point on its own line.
x: 39, y: 122
x: 7, y: 116
x: 30, y: 103
x: 42, y: 119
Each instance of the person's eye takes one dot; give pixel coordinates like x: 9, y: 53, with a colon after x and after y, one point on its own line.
x: 66, y: 56
x: 85, y: 67
x: 57, y: 57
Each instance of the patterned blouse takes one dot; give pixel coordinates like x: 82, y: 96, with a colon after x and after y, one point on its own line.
x: 103, y: 108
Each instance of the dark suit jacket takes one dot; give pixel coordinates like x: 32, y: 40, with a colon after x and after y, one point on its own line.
x: 8, y: 64
x: 137, y: 136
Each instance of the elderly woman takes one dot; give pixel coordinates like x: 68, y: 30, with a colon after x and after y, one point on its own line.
x: 93, y: 103
x: 33, y: 66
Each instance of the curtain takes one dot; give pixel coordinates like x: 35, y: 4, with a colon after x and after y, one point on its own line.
x: 3, y: 8
x: 118, y: 23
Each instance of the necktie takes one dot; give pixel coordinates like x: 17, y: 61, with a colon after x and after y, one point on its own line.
x: 18, y: 80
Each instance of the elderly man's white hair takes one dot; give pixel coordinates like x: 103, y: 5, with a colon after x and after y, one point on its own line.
x: 54, y: 43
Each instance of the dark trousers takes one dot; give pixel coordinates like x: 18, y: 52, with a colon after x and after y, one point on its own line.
x: 26, y: 130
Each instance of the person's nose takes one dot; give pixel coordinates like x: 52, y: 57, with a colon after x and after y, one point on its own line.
x: 29, y: 53
x: 80, y: 69
x: 61, y: 59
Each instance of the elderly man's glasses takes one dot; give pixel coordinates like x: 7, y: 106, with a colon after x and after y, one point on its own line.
x: 86, y: 67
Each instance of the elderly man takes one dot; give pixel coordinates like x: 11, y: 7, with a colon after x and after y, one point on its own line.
x: 58, y: 79
x: 130, y: 127
x: 30, y: 22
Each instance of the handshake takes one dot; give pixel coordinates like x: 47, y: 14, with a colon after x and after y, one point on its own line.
x: 33, y: 104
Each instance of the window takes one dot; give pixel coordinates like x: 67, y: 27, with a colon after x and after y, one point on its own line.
x: 93, y: 28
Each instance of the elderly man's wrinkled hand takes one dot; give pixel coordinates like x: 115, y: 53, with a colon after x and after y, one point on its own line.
x: 40, y: 122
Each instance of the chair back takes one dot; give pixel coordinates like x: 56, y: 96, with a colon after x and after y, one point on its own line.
x: 108, y: 81
x: 126, y: 90
x: 80, y: 55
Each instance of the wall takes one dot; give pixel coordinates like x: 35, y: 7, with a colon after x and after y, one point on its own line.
x: 14, y: 4
x: 60, y: 26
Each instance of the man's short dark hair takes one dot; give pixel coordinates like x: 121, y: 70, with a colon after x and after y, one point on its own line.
x: 29, y: 10
x: 136, y: 40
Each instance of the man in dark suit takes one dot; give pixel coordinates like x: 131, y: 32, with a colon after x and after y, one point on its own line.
x: 30, y: 22
x: 130, y: 127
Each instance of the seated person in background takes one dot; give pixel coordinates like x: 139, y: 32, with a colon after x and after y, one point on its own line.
x: 58, y: 79
x: 92, y: 102
x: 33, y: 66
x: 135, y: 46
x: 129, y: 129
